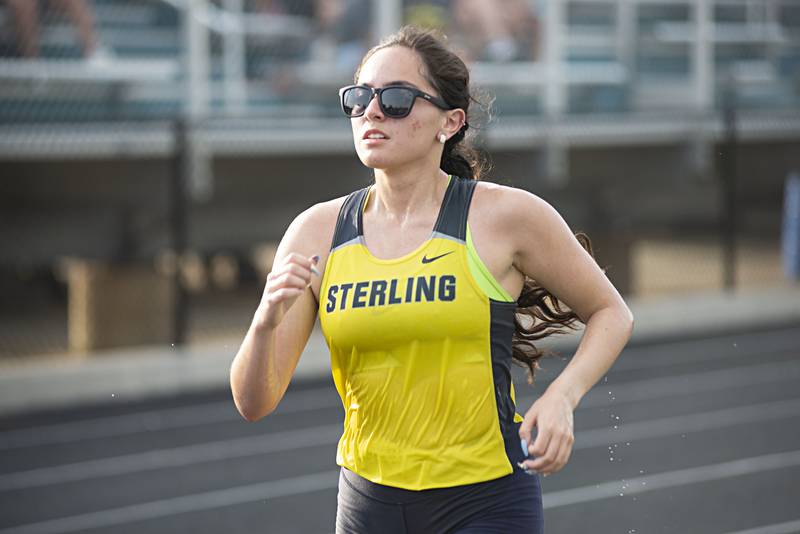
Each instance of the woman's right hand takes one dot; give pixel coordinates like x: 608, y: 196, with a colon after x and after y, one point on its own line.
x: 287, y: 280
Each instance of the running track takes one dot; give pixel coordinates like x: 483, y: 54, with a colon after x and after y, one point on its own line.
x: 699, y: 436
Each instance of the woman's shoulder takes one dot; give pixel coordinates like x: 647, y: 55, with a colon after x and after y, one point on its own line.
x: 315, y: 225
x: 505, y: 201
x: 515, y: 212
x: 320, y: 217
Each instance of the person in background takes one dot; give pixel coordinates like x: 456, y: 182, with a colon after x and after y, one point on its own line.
x: 26, y: 14
x: 481, y: 30
x: 504, y: 30
x: 340, y: 36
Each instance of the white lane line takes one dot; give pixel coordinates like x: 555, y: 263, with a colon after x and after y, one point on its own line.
x: 155, y: 420
x: 699, y: 352
x: 320, y: 398
x: 790, y: 527
x: 706, y: 350
x: 174, y: 457
x: 329, y: 480
x: 180, y: 505
x: 671, y: 479
x: 329, y: 434
x: 685, y: 384
x: 684, y: 424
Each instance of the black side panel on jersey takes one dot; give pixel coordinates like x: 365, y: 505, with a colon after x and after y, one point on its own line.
x: 501, y: 334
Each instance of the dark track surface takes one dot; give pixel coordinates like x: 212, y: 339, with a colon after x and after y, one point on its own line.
x: 701, y: 436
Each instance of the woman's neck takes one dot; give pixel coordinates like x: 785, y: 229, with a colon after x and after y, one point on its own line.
x: 397, y: 196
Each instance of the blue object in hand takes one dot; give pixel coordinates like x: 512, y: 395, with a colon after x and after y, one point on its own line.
x: 524, y: 447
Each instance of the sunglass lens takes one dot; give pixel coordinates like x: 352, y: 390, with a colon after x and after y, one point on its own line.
x: 355, y: 101
x: 397, y: 101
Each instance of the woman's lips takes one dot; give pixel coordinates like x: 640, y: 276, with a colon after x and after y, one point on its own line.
x: 374, y: 132
x: 371, y: 142
x: 378, y: 137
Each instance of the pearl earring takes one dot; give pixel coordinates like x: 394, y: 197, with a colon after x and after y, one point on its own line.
x: 442, y: 138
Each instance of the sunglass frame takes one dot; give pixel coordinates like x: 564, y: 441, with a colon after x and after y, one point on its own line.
x: 377, y: 91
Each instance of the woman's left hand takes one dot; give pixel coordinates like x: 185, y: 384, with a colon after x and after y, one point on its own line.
x: 551, y: 414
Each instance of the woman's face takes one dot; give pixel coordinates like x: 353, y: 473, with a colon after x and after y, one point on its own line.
x: 410, y: 138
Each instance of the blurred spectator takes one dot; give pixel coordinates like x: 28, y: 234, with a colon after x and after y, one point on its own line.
x: 341, y: 26
x: 482, y: 30
x: 26, y: 15
x: 499, y: 30
x: 429, y: 14
x: 300, y: 8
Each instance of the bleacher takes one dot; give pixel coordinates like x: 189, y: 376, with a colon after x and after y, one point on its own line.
x: 600, y: 57
x: 141, y: 80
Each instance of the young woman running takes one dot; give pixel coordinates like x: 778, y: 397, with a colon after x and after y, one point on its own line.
x: 424, y: 280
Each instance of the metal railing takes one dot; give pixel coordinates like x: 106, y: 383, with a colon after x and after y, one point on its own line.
x: 589, y: 70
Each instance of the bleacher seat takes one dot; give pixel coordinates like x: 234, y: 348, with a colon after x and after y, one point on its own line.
x: 600, y: 75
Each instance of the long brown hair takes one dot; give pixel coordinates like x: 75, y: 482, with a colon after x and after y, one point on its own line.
x: 539, y: 313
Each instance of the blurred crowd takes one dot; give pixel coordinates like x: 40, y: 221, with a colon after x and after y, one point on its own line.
x: 341, y: 30
x: 481, y: 30
x: 25, y: 18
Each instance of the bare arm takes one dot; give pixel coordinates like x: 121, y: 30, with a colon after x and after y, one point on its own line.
x: 551, y: 255
x: 548, y: 252
x: 266, y: 360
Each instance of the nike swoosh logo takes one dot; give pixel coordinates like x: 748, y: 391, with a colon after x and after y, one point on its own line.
x: 429, y: 260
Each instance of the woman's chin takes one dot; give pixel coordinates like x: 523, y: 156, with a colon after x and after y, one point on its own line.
x: 374, y: 162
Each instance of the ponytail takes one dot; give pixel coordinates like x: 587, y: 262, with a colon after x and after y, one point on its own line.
x: 462, y: 160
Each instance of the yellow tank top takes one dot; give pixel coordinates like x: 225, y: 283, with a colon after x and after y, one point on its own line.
x: 420, y: 354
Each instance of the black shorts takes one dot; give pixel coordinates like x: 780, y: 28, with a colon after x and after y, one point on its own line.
x: 508, y: 505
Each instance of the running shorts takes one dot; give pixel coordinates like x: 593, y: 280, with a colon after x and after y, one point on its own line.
x: 508, y: 505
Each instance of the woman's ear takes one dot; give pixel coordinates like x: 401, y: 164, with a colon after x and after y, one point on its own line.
x: 454, y: 120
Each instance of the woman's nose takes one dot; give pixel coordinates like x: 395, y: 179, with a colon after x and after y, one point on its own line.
x: 373, y: 110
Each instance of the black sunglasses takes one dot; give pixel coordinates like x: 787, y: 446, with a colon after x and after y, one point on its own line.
x: 395, y: 101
